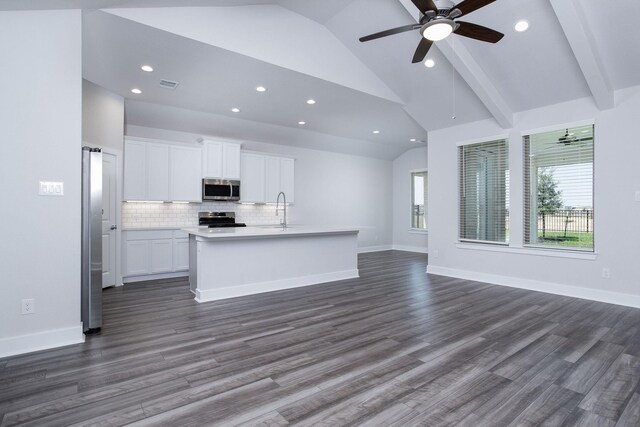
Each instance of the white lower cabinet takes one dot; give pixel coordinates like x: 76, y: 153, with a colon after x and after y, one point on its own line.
x: 181, y: 253
x: 161, y: 256
x: 137, y: 258
x: 153, y: 252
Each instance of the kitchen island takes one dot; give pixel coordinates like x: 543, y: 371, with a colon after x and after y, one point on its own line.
x: 232, y: 262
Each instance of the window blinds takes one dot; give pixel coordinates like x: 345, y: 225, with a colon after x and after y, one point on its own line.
x: 483, y: 186
x: 558, y: 188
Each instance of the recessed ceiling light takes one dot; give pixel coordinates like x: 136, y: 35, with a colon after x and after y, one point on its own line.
x: 413, y: 140
x: 301, y: 123
x: 136, y: 91
x: 147, y: 68
x: 261, y: 89
x: 376, y: 132
x: 429, y: 63
x: 521, y: 26
x: 311, y: 101
x: 235, y: 110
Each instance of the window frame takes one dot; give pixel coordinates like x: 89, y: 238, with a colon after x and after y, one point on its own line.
x: 412, y: 229
x: 480, y: 242
x: 526, y: 196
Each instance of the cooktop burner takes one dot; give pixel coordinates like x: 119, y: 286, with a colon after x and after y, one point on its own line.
x: 218, y: 220
x: 227, y: 225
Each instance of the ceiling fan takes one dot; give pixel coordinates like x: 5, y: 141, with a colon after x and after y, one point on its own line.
x: 569, y: 138
x: 439, y: 20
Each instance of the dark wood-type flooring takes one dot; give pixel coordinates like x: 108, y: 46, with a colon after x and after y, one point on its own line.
x: 396, y: 347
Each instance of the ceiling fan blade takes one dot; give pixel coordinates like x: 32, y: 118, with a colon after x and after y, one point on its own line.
x: 422, y: 50
x: 390, y: 32
x: 468, y: 6
x: 478, y: 32
x: 424, y: 5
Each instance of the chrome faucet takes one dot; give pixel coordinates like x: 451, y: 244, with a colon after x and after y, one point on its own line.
x: 283, y: 221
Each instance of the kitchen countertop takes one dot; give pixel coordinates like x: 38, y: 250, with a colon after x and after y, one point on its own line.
x: 257, y: 232
x: 161, y: 227
x: 182, y: 227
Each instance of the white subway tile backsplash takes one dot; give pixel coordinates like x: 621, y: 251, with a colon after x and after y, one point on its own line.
x: 142, y: 215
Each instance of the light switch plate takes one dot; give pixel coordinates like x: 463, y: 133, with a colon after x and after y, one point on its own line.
x: 637, y: 195
x: 48, y: 188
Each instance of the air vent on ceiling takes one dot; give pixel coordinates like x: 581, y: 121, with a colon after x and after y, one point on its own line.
x: 168, y: 84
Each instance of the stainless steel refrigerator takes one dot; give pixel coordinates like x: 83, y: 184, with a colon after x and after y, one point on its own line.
x: 91, y: 240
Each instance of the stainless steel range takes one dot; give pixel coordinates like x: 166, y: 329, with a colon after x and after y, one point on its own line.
x: 218, y: 220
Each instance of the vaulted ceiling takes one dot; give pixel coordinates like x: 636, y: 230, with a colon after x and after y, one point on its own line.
x: 221, y: 50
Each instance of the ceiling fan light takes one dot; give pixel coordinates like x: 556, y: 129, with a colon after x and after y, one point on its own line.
x: 437, y: 30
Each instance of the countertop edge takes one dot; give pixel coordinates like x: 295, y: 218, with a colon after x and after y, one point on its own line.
x: 268, y: 232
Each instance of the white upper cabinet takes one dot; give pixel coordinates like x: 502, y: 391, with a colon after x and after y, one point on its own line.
x: 135, y: 171
x: 146, y: 171
x: 221, y: 159
x: 212, y: 159
x: 279, y: 173
x: 252, y: 178
x: 264, y: 177
x: 287, y: 172
x: 230, y: 160
x: 272, y: 179
x: 155, y: 171
x: 186, y: 174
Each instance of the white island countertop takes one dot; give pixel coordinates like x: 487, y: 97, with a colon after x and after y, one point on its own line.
x: 257, y: 232
x: 237, y: 261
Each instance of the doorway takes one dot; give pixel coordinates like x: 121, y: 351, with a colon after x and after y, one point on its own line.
x: 109, y: 219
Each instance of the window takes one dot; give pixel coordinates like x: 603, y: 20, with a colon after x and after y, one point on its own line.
x: 419, y: 200
x: 558, y: 181
x: 483, y: 188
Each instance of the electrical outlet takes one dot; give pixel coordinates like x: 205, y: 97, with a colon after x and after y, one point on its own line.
x: 606, y: 273
x: 637, y: 195
x: 436, y: 253
x: 28, y: 306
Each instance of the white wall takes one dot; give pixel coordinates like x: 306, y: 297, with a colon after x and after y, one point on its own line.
x: 330, y: 188
x: 40, y: 134
x: 102, y: 117
x: 617, y: 230
x: 403, y: 237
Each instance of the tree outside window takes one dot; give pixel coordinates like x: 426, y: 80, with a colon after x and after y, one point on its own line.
x: 559, y: 189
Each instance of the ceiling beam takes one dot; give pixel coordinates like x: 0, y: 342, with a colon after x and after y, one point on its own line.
x: 572, y: 20
x: 479, y: 82
x: 477, y: 79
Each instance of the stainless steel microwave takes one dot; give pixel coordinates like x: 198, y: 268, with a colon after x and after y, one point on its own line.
x: 220, y: 189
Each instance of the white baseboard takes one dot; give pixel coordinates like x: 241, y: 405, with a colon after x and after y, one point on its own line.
x: 273, y: 285
x: 41, y: 341
x: 536, y: 285
x: 132, y: 279
x: 368, y: 249
x: 418, y: 249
